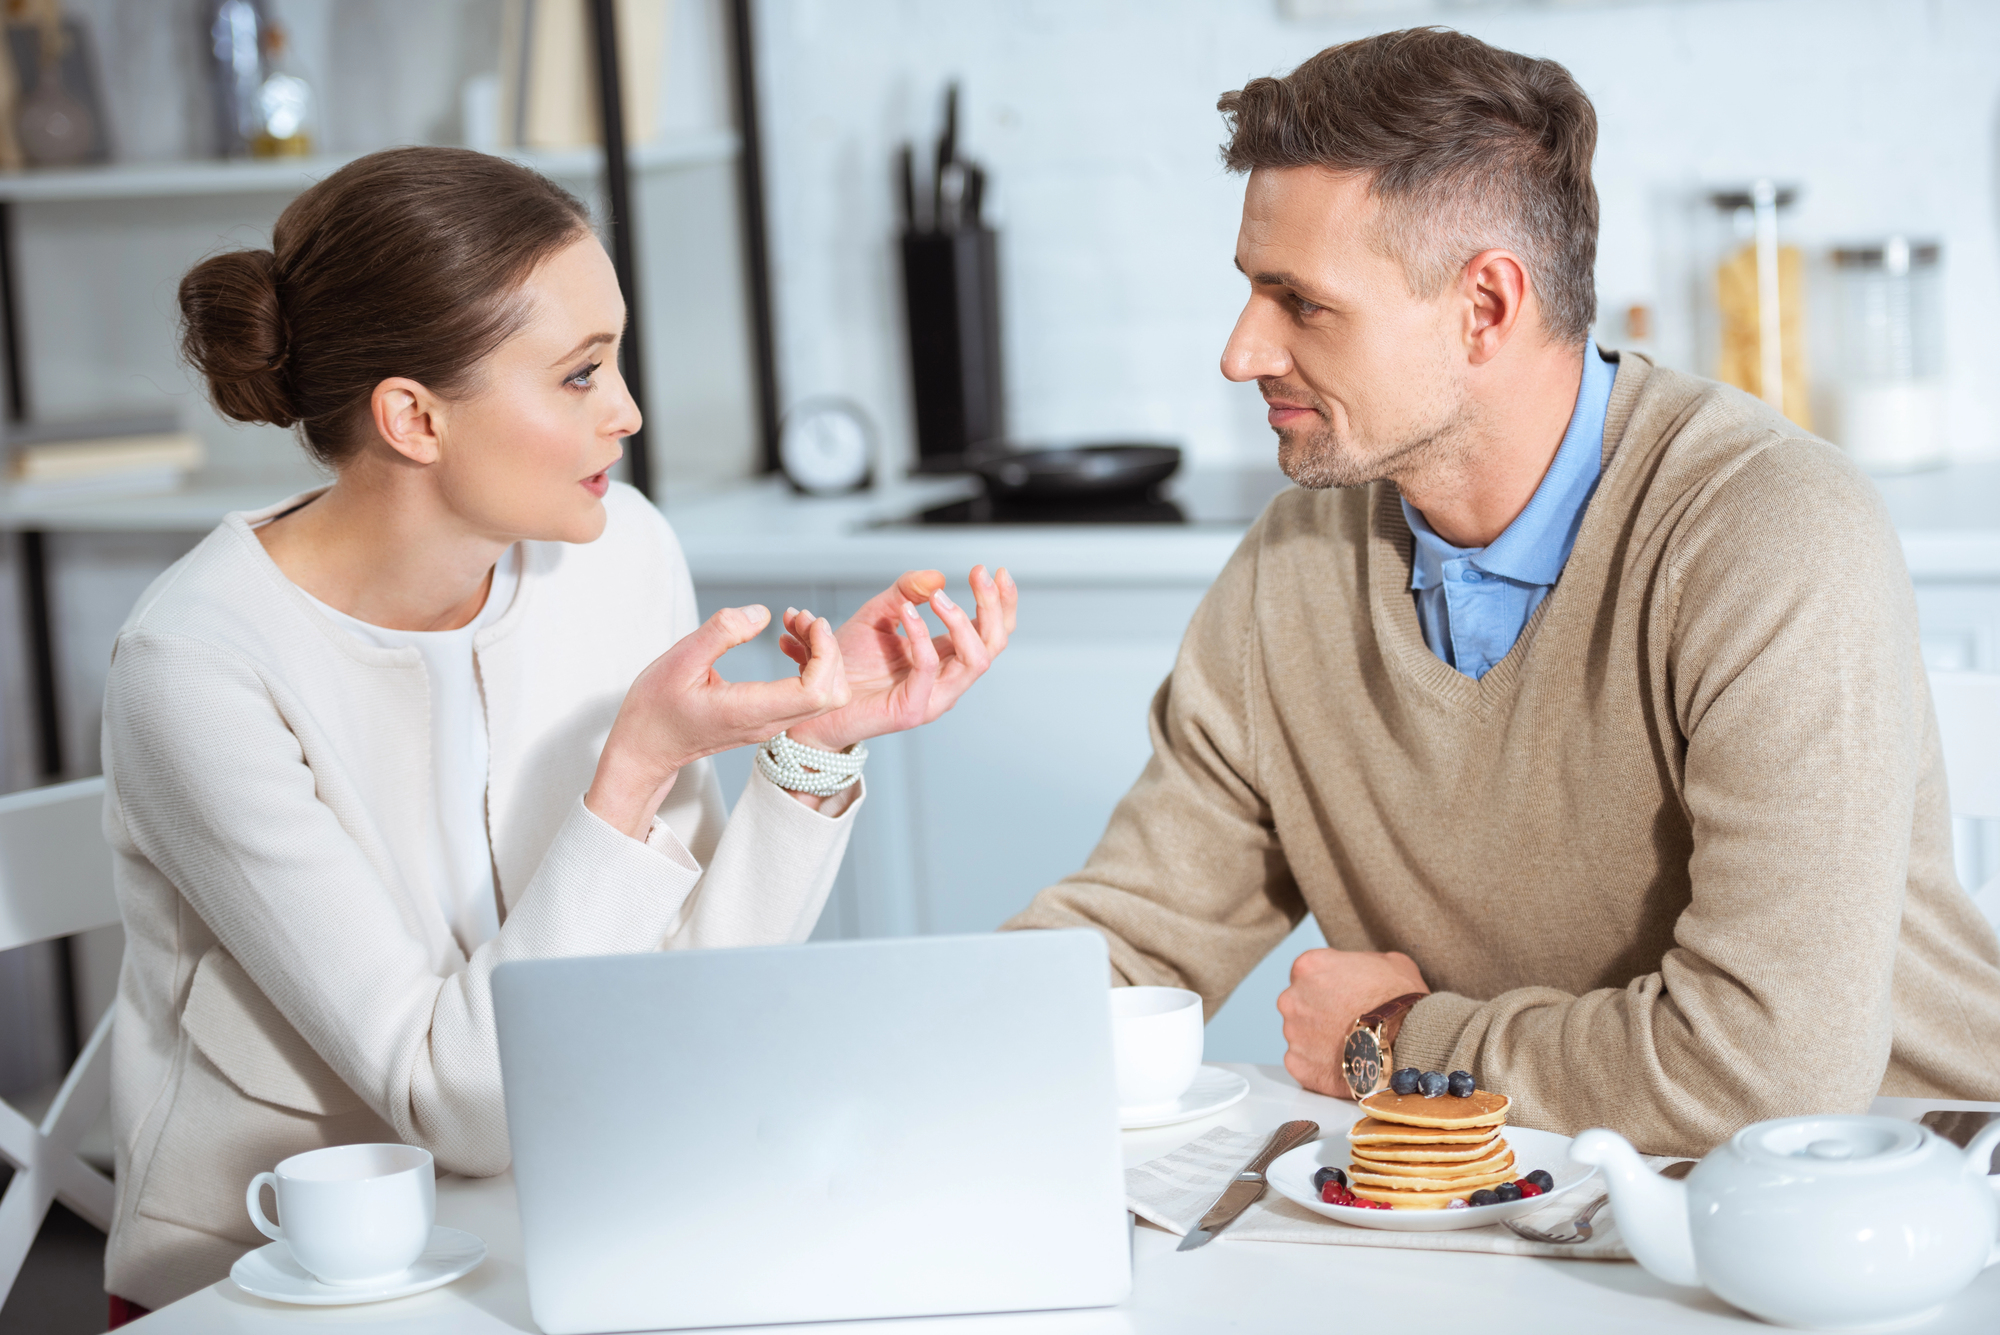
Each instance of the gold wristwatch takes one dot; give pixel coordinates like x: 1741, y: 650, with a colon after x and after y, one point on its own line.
x: 1365, y: 1058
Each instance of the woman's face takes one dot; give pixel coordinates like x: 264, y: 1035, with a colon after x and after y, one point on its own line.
x: 526, y: 454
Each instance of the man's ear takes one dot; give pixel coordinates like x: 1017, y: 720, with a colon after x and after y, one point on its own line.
x: 408, y: 417
x: 1495, y: 286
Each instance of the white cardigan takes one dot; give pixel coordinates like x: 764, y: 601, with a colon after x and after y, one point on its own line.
x: 289, y: 982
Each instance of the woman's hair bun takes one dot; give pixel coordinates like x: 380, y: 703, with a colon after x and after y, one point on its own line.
x: 233, y: 332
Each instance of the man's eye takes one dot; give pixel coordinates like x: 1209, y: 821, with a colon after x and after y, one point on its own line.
x: 581, y: 379
x: 1304, y: 307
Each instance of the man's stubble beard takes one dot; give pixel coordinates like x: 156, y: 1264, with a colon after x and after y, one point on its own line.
x: 1326, y: 457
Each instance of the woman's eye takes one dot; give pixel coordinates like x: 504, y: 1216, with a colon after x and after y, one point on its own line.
x: 581, y: 380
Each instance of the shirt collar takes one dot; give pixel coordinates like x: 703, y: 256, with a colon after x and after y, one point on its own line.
x: 1534, y: 548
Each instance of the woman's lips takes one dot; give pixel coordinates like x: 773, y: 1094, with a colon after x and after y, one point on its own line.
x: 598, y: 483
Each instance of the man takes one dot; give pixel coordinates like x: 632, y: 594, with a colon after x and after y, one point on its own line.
x: 1578, y: 700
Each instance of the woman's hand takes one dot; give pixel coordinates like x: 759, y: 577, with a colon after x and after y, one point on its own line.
x: 900, y: 680
x: 680, y: 709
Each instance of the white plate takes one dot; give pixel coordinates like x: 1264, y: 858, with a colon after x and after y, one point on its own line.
x: 1213, y: 1090
x: 1292, y: 1176
x: 270, y: 1272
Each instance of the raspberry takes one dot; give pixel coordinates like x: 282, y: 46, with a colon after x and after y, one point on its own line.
x: 1529, y: 1188
x: 1334, y: 1194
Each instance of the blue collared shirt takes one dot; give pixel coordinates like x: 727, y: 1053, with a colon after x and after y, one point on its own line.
x: 1473, y: 602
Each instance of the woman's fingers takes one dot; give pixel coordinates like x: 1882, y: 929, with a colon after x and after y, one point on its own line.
x: 995, y: 613
x: 966, y: 646
x: 791, y: 641
x: 713, y: 638
x: 1010, y: 597
x: 922, y: 679
x: 884, y: 610
x: 823, y: 676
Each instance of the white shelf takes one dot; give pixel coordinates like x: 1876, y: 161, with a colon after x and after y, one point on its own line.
x: 156, y: 180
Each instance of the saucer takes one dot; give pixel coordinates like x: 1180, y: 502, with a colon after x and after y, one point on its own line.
x: 1213, y: 1090
x: 271, y: 1272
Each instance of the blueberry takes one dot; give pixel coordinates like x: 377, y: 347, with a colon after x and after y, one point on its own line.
x: 1507, y: 1191
x: 1540, y: 1177
x: 1484, y: 1196
x: 1326, y: 1175
x: 1460, y: 1084
x: 1405, y: 1080
x: 1430, y: 1084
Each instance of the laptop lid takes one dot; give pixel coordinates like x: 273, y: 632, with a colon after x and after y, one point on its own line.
x: 908, y: 1127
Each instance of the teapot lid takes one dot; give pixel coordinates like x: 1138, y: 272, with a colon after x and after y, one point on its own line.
x: 1836, y: 1144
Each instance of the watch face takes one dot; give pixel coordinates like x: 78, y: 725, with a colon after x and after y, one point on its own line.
x: 1361, y: 1063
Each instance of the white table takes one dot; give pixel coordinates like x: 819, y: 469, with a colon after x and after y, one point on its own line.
x: 1248, y: 1286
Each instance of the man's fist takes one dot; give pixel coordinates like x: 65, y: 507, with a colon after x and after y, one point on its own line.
x: 1330, y: 990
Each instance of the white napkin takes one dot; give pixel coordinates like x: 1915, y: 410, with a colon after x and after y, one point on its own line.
x: 1176, y: 1189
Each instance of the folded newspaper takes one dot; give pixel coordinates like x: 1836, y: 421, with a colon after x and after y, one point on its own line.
x: 1175, y: 1190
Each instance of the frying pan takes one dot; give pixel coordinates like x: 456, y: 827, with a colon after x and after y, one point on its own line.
x: 1074, y: 470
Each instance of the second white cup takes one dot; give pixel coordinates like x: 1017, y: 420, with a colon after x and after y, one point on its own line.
x: 352, y: 1214
x: 1156, y: 1035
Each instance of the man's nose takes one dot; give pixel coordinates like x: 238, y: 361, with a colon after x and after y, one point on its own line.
x: 1253, y: 353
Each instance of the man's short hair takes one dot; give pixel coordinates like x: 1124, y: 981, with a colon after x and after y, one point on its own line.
x: 1467, y: 146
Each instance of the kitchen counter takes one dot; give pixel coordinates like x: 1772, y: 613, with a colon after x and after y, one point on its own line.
x: 763, y: 530
x: 766, y: 531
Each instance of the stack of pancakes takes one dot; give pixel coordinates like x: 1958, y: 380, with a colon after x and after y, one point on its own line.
x: 1416, y: 1153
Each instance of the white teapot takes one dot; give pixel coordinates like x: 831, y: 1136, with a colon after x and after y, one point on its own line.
x: 1830, y: 1223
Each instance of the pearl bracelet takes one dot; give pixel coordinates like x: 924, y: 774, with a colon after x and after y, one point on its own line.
x: 807, y: 769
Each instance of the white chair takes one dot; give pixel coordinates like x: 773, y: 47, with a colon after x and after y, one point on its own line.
x: 55, y: 881
x: 1968, y: 714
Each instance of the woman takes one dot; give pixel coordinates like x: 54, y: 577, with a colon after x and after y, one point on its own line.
x: 450, y: 711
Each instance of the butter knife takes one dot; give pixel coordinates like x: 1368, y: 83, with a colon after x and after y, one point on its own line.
x: 1249, y: 1184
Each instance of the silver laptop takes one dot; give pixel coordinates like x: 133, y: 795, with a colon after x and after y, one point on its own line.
x: 852, y: 1129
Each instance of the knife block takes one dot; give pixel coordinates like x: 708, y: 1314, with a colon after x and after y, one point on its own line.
x: 951, y: 296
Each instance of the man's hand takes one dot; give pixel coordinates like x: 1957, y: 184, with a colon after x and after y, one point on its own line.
x: 1330, y: 990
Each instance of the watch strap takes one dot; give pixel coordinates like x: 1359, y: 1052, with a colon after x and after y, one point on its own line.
x: 1389, y: 1010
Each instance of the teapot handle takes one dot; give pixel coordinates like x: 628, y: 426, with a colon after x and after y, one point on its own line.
x: 1978, y: 1160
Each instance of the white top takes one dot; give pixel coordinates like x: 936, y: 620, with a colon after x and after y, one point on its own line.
x: 289, y: 981
x: 461, y: 856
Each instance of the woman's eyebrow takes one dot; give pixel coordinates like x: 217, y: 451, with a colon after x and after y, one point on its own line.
x: 590, y: 342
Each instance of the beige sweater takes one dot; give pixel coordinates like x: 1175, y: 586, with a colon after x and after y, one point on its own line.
x: 1681, y: 861
x: 289, y: 980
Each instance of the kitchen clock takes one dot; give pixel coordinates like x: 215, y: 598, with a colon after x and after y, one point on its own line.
x: 826, y: 446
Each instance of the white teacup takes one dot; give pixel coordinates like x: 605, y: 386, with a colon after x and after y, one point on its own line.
x: 1155, y: 1044
x: 352, y: 1214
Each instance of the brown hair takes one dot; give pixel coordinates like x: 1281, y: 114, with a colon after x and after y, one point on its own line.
x: 1468, y: 147
x: 402, y: 263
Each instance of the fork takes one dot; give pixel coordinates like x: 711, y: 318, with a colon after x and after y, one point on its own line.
x: 1580, y: 1225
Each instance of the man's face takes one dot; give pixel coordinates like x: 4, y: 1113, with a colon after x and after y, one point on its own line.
x: 1364, y: 379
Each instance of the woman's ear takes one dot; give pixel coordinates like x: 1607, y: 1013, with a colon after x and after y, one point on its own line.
x: 407, y: 416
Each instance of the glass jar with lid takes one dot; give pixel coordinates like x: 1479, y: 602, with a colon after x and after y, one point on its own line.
x: 1754, y: 332
x: 1891, y: 392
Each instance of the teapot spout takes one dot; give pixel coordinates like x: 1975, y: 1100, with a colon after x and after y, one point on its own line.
x: 1652, y: 1211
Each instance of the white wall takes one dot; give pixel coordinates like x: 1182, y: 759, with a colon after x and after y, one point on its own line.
x: 1097, y: 120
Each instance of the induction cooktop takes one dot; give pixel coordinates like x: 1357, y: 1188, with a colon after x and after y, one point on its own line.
x: 1212, y: 497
